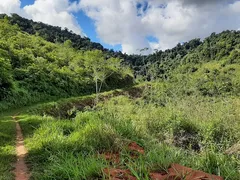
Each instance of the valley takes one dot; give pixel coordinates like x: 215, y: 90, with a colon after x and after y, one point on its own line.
x: 98, y: 114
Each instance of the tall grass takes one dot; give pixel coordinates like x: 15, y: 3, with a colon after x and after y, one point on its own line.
x: 193, y: 131
x: 7, y: 148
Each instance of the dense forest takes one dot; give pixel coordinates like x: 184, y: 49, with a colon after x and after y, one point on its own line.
x: 53, y: 34
x: 216, y: 46
x: 58, y: 35
x: 33, y: 69
x: 87, y: 112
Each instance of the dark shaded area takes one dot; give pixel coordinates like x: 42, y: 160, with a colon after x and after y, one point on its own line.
x: 7, y: 132
x: 67, y: 109
x: 7, y: 139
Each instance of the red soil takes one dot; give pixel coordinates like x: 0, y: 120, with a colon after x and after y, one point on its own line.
x: 115, y: 157
x: 175, y: 172
x: 118, y: 174
x: 112, y: 157
x: 178, y: 172
x: 135, y: 147
x: 21, y: 171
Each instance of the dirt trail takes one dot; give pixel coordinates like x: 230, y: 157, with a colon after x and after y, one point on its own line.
x: 21, y: 170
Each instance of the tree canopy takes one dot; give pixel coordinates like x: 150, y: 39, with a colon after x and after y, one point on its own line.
x: 35, y: 69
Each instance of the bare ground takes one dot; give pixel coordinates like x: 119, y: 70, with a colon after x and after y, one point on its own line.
x: 21, y: 170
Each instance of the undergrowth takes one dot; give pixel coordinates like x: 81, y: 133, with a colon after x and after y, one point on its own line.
x: 194, y: 131
x: 7, y: 142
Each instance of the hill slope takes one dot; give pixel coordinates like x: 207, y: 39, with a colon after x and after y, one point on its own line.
x: 34, y: 69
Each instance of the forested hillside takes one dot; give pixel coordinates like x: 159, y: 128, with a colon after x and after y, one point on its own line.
x: 58, y: 35
x: 211, y: 67
x: 40, y: 59
x: 52, y: 33
x: 215, y: 47
x: 33, y: 69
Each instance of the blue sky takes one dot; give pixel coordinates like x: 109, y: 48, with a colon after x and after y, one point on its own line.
x: 130, y: 25
x: 86, y: 24
x: 88, y: 27
x: 26, y: 2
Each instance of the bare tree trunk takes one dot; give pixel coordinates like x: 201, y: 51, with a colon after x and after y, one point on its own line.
x: 96, y: 100
x: 100, y: 87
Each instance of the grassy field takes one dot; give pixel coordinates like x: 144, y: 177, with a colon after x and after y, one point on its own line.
x: 195, y: 132
x: 7, y: 146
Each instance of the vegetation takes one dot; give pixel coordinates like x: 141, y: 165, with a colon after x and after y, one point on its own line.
x: 185, y: 109
x: 52, y: 34
x: 193, y: 131
x: 35, y: 70
x: 58, y: 35
x: 7, y: 142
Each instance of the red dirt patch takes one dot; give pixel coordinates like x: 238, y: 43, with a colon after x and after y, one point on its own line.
x: 21, y: 171
x: 118, y: 174
x: 178, y: 172
x: 113, y: 157
x: 156, y: 176
x: 133, y: 146
x: 175, y: 172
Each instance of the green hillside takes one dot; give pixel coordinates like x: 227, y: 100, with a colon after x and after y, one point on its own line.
x: 180, y: 106
x: 33, y: 69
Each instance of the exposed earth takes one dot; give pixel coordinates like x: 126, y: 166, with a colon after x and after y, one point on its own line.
x: 21, y: 170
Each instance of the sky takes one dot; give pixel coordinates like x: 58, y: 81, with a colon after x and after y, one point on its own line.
x: 131, y: 25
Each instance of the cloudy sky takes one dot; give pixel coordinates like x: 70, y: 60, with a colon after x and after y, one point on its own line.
x: 130, y: 25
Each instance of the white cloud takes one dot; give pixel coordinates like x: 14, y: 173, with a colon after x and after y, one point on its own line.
x: 53, y: 12
x: 117, y: 23
x: 9, y: 6
x: 235, y: 7
x: 171, y: 21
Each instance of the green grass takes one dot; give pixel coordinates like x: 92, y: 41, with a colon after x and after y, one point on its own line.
x: 7, y: 147
x: 169, y: 134
x: 194, y: 131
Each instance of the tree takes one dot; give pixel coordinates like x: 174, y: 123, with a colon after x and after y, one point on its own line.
x: 101, y: 68
x: 6, y: 30
x: 5, y: 77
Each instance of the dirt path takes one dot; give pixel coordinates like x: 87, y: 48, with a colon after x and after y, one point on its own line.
x: 21, y: 170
